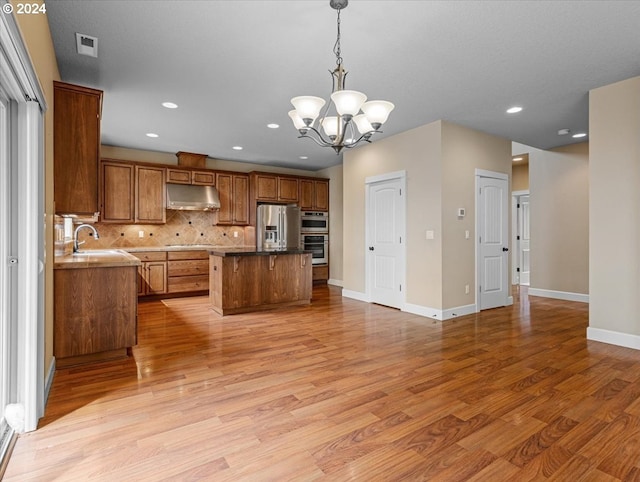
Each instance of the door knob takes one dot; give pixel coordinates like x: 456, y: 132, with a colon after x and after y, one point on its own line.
x: 505, y: 249
x: 371, y: 248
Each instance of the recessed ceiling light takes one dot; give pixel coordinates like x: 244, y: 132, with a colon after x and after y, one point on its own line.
x: 563, y: 132
x: 273, y: 126
x: 169, y: 105
x: 237, y: 148
x: 304, y: 157
x: 514, y: 110
x: 151, y: 134
x: 579, y: 134
x: 517, y: 158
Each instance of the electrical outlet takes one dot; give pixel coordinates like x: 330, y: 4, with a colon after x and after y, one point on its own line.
x: 430, y: 234
x: 466, y: 289
x: 141, y: 234
x: 466, y: 234
x: 235, y: 234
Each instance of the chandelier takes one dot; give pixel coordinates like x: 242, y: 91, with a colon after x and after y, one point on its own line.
x: 339, y: 130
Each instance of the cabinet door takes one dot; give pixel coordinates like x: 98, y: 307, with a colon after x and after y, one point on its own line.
x: 150, y: 195
x: 76, y: 148
x: 287, y: 189
x: 307, y: 194
x: 178, y: 176
x: 156, y: 277
x: 224, y: 185
x: 321, y: 196
x: 203, y: 178
x: 266, y: 188
x: 117, y: 193
x: 240, y: 199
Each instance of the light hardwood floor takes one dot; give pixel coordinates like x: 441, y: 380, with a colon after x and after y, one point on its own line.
x: 344, y: 390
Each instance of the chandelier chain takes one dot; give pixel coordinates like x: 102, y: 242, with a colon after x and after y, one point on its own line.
x: 336, y: 47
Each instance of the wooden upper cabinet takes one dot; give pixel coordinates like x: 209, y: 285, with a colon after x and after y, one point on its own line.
x: 233, y: 189
x: 118, y: 192
x: 178, y: 176
x: 314, y: 195
x: 150, y: 195
x: 203, y: 178
x: 288, y: 189
x: 76, y: 147
x: 184, y: 176
x: 266, y: 187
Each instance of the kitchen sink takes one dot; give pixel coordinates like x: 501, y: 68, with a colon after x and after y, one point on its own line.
x: 98, y: 252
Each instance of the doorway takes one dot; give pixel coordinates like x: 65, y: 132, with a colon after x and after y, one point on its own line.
x: 492, y: 226
x: 520, y: 240
x: 385, y: 239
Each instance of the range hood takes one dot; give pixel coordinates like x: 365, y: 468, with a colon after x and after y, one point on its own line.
x: 192, y: 198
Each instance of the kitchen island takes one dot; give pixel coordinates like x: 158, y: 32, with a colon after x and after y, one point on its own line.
x: 243, y: 279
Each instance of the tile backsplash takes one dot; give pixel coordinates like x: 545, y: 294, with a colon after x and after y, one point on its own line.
x: 182, y: 227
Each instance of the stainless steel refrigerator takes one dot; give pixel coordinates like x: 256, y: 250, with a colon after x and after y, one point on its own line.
x: 278, y: 227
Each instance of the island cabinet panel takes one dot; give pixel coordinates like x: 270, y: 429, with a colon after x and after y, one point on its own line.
x: 243, y: 283
x: 95, y: 311
x: 187, y: 271
x: 150, y: 195
x: 118, y: 192
x: 76, y: 148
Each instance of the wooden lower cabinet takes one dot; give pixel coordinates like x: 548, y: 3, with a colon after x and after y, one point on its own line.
x: 187, y: 271
x: 320, y: 274
x: 95, y: 313
x: 239, y: 284
x: 152, y: 273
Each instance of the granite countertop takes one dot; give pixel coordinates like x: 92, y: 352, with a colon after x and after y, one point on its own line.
x: 97, y: 258
x: 252, y: 252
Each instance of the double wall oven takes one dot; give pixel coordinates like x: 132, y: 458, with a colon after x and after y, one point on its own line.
x: 314, y: 235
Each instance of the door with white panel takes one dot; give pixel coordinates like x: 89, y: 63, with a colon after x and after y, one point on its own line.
x: 524, y: 239
x: 385, y: 242
x: 493, y: 242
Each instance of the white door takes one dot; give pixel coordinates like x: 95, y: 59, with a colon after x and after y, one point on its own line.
x: 523, y: 238
x: 7, y: 274
x: 493, y: 242
x: 385, y: 242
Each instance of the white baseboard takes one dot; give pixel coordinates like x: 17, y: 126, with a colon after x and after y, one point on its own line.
x: 335, y: 282
x: 559, y: 295
x: 355, y: 295
x: 438, y: 314
x: 626, y: 340
x: 509, y: 301
x: 49, y: 380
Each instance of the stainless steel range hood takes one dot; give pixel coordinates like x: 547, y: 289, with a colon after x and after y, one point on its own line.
x: 193, y: 198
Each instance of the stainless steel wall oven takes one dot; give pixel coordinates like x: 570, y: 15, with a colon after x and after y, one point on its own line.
x: 318, y: 244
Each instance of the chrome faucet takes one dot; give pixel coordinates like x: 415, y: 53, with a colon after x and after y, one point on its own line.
x: 75, y: 236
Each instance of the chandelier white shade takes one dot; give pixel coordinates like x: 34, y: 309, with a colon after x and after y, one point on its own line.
x: 341, y: 124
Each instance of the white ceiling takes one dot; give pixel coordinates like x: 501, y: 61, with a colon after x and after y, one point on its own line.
x: 233, y: 65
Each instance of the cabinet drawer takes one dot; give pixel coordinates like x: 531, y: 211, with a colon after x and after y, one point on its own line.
x: 200, y: 254
x: 151, y: 255
x: 189, y: 267
x: 179, y: 284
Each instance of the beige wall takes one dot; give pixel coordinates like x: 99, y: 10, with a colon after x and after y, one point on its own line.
x: 334, y: 174
x: 559, y: 223
x: 37, y: 36
x: 440, y: 161
x: 520, y: 177
x: 614, y: 172
x: 418, y: 153
x: 463, y: 151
